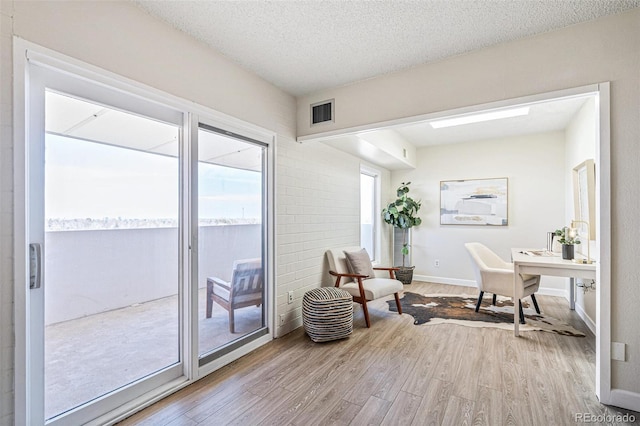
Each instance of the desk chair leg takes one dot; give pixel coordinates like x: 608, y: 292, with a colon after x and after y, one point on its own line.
x: 535, y: 303
x: 479, y: 301
x: 521, y: 311
x: 494, y: 299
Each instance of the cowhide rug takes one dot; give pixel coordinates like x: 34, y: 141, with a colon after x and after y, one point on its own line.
x: 460, y: 309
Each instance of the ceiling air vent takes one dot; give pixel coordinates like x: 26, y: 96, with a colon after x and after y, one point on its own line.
x: 322, y: 112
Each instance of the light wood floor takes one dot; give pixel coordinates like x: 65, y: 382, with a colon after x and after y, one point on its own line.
x: 397, y: 373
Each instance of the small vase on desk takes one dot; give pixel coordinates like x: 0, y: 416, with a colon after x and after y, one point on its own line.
x: 568, y: 251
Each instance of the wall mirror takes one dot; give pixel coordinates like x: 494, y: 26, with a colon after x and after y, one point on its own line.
x: 584, y: 196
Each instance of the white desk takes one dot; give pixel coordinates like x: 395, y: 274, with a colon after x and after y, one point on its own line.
x: 545, y: 265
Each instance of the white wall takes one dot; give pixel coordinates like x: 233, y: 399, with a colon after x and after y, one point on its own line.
x: 581, y: 146
x: 533, y: 164
x: 607, y: 49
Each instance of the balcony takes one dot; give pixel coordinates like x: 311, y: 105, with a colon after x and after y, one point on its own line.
x: 111, y: 314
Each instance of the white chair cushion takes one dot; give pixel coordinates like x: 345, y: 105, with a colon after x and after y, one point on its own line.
x: 374, y: 288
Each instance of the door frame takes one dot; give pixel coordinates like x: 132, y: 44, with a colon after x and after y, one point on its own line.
x: 26, y: 53
x: 227, y: 353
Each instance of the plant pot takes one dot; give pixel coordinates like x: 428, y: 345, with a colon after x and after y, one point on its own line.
x: 568, y: 251
x: 405, y: 274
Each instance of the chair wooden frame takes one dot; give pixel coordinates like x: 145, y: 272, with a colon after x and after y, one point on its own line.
x: 362, y: 299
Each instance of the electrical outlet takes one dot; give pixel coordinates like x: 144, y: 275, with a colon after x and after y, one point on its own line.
x: 290, y: 297
x: 618, y: 351
x: 281, y: 319
x: 436, y: 263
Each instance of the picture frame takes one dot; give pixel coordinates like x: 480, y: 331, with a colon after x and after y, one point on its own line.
x: 479, y: 202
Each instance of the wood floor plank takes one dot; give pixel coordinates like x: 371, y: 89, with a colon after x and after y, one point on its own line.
x: 395, y: 377
x: 487, y: 410
x: 361, y: 389
x: 459, y: 412
x: 372, y: 412
x: 261, y: 409
x: 341, y: 414
x: 318, y: 408
x: 542, y: 392
x: 403, y: 410
x: 443, y: 374
x: 214, y: 404
x: 451, y: 356
x: 465, y: 382
x: 490, y: 375
x: 434, y: 403
x: 182, y: 421
x: 425, y: 366
x: 231, y: 409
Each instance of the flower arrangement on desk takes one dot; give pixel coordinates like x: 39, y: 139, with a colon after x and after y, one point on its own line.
x: 568, y: 238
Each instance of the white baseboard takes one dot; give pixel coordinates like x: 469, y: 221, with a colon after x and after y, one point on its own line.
x: 552, y: 291
x: 586, y: 319
x: 625, y: 399
x: 444, y: 280
x: 546, y: 291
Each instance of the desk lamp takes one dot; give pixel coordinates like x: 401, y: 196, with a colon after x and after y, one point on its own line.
x: 573, y: 226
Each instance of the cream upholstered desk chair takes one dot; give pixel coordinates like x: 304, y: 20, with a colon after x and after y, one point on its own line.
x: 494, y: 275
x: 361, y: 280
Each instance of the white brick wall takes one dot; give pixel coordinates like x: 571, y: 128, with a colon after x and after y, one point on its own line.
x: 6, y: 216
x: 318, y: 207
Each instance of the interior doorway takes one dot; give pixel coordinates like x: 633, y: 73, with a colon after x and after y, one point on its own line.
x: 371, y: 135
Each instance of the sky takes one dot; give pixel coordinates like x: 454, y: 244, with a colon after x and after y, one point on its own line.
x: 92, y: 180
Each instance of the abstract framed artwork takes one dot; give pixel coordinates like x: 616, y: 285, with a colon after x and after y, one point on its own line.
x: 474, y: 202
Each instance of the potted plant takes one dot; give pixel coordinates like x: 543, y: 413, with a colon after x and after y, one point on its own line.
x: 568, y: 241
x: 402, y: 214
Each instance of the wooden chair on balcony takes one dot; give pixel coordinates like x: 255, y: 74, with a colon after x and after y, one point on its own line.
x: 244, y: 289
x: 354, y: 273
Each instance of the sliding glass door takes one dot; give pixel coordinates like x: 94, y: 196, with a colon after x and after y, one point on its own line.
x: 145, y: 247
x: 231, y: 241
x: 103, y: 218
x: 111, y: 242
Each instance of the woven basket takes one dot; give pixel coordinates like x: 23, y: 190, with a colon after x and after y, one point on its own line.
x: 327, y: 314
x: 405, y: 274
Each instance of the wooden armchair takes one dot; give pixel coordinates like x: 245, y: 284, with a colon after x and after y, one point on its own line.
x: 244, y: 289
x: 362, y: 286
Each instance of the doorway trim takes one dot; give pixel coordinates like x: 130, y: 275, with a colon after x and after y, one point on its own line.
x: 603, y: 390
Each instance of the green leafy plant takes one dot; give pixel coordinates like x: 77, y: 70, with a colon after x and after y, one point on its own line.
x: 565, y: 238
x: 402, y: 213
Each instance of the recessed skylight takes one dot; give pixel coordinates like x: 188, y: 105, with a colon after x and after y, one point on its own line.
x: 477, y: 118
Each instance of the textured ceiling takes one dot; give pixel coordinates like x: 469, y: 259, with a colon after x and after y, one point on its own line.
x: 306, y: 46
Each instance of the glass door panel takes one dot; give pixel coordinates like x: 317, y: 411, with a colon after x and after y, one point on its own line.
x: 231, y: 290
x: 111, y: 242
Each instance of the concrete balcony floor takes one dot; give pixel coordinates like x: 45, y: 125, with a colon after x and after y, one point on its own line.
x: 90, y: 356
